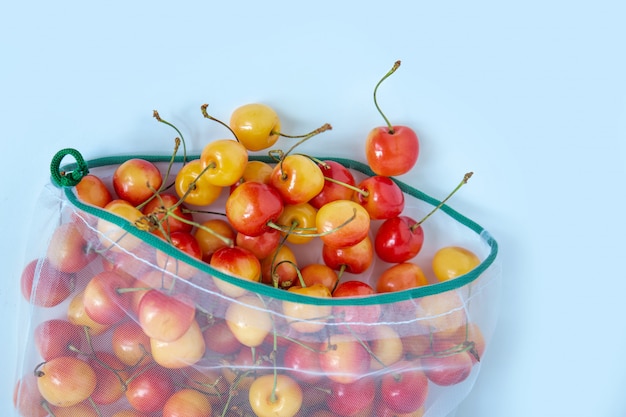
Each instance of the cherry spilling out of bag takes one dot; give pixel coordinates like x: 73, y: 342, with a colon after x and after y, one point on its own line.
x: 142, y: 329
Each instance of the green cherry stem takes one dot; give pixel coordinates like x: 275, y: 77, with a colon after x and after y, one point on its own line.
x: 208, y: 116
x: 95, y: 407
x: 463, y: 182
x: 156, y: 115
x: 351, y: 187
x: 396, y: 65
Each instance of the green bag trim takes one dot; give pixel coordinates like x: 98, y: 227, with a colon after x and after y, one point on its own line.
x: 257, y: 287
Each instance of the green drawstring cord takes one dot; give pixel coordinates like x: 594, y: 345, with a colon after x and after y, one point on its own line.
x: 71, y: 178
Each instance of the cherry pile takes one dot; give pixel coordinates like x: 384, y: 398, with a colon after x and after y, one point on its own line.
x: 140, y: 330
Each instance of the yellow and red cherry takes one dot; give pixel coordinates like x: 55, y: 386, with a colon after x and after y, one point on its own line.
x: 149, y: 388
x: 225, y: 161
x: 102, y: 301
x: 298, y: 220
x: 50, y: 288
x: 342, y: 223
x: 297, y: 178
x: 255, y: 125
x: 302, y: 362
x: 111, y: 375
x: 318, y: 273
x: 353, y: 399
x: 355, y: 319
x: 222, y: 233
x: 27, y: 399
x: 194, y: 187
x: 381, y: 197
x: 449, y: 364
x: 354, y: 259
x: 280, y: 268
x: 400, y: 277
x: 252, y: 207
x: 386, y: 346
x: 391, y: 150
x: 249, y: 320
x: 307, y: 318
x: 187, y: 402
x: 136, y: 180
x: 165, y: 317
x: 65, y: 381
x: 452, y: 261
x: 336, y: 177
x: 257, y: 171
x: 57, y: 337
x: 218, y: 338
x: 186, y: 243
x: 183, y: 352
x: 169, y: 214
x: 115, y: 237
x: 92, y: 190
x: 237, y: 262
x: 275, y: 395
x: 130, y: 344
x: 69, y: 250
x: 404, y: 388
x: 343, y: 358
x: 262, y: 245
x: 77, y: 315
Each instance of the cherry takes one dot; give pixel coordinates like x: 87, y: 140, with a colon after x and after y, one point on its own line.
x: 342, y: 223
x: 381, y: 197
x: 391, y: 150
x: 255, y: 125
x: 354, y: 259
x: 193, y: 187
x: 336, y: 178
x: 225, y: 160
x: 136, y: 180
x: 252, y: 206
x: 297, y: 178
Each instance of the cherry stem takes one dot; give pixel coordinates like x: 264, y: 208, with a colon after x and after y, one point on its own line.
x: 156, y: 115
x: 396, y: 65
x: 287, y: 261
x: 208, y: 116
x: 285, y: 229
x: 46, y: 407
x: 38, y: 373
x: 95, y: 407
x: 463, y: 182
x: 163, y: 187
x: 135, y: 289
x: 354, y: 188
x: 306, y: 137
x: 227, y: 241
x: 321, y: 163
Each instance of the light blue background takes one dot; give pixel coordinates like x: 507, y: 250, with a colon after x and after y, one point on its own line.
x: 530, y: 95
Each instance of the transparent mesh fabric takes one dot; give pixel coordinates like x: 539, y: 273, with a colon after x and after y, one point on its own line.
x: 129, y: 326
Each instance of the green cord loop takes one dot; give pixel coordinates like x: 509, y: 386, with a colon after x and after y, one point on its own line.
x: 71, y: 178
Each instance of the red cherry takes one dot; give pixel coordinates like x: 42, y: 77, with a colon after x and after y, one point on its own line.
x: 391, y: 150
x: 381, y: 197
x: 398, y: 239
x: 251, y: 206
x: 336, y: 177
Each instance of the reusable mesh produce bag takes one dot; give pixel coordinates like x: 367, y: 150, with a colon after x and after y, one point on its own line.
x: 121, y: 323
